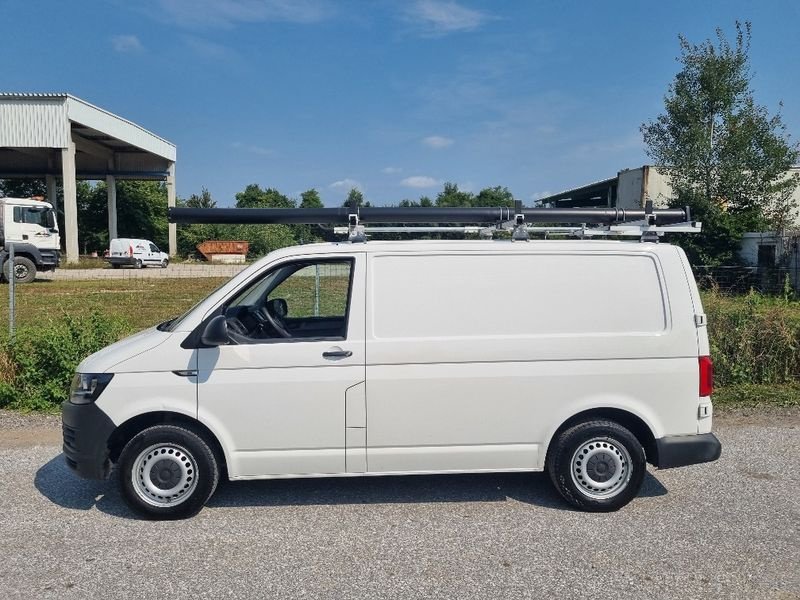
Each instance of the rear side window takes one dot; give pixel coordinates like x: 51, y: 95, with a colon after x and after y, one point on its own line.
x: 495, y: 295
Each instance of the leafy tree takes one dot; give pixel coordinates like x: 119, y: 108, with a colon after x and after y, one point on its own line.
x: 311, y: 233
x: 726, y: 157
x: 356, y: 195
x: 494, y: 196
x: 310, y: 199
x: 204, y: 200
x: 254, y: 197
x: 22, y: 188
x: 452, y: 196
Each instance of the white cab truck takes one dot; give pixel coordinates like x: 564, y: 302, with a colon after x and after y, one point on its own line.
x: 585, y: 359
x: 136, y: 253
x: 30, y: 225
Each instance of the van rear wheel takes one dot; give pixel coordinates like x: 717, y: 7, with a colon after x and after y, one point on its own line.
x: 137, y: 264
x: 597, y: 465
x: 167, y: 472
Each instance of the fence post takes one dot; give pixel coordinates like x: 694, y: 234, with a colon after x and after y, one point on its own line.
x: 316, y: 290
x: 11, y: 292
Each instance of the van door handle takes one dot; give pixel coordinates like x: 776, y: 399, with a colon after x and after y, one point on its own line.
x: 337, y: 353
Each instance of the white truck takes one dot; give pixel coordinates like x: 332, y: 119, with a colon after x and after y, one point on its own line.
x: 30, y: 225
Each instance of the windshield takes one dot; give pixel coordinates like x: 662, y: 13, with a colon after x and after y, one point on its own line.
x: 173, y: 324
x: 34, y: 216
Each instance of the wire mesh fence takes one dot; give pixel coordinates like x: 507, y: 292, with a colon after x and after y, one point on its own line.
x: 734, y: 280
x: 141, y: 298
x: 135, y: 298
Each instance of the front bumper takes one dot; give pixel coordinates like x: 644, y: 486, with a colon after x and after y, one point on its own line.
x: 87, y: 430
x: 682, y: 450
x: 49, y: 259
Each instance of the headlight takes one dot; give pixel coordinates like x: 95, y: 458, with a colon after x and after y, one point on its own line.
x: 87, y: 387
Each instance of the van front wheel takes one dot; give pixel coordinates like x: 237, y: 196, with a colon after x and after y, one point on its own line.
x: 167, y: 472
x: 597, y: 466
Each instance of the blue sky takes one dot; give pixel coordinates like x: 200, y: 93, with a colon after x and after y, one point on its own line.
x: 393, y: 97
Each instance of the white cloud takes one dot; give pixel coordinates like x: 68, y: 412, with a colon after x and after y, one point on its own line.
x: 227, y: 13
x: 346, y: 184
x: 260, y: 150
x: 126, y: 43
x: 437, y: 141
x: 391, y: 170
x: 420, y: 181
x: 437, y: 17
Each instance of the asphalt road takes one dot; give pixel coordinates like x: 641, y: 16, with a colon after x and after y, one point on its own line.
x: 722, y: 530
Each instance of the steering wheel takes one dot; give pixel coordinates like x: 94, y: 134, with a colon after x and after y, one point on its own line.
x: 236, y: 330
x: 265, y: 317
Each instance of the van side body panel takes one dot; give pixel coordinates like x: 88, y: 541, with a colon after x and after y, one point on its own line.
x: 559, y: 332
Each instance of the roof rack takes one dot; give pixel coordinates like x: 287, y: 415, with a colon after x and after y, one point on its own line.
x: 647, y: 224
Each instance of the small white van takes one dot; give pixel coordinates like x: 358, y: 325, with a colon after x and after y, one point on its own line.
x: 136, y: 253
x: 586, y: 359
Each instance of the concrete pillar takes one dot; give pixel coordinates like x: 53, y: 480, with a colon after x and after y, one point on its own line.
x: 70, y: 201
x: 173, y: 232
x: 52, y: 198
x: 111, y: 190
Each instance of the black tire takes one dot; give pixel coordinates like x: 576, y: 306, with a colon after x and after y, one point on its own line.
x: 138, y: 264
x: 164, y: 263
x: 615, y: 459
x: 24, y: 269
x: 188, y: 465
x: 115, y: 266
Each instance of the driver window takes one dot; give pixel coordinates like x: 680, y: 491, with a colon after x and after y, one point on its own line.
x: 294, y: 301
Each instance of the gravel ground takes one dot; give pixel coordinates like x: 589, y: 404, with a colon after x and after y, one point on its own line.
x: 723, y: 530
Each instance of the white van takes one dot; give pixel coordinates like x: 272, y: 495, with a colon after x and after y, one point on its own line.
x: 583, y: 358
x: 136, y: 253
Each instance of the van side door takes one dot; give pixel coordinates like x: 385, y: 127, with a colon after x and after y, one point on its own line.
x: 277, y: 393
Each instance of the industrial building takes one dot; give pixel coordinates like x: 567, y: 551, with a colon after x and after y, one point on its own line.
x: 49, y: 136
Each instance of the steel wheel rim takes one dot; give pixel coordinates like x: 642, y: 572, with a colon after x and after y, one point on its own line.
x: 20, y: 271
x: 164, y: 475
x: 601, y: 468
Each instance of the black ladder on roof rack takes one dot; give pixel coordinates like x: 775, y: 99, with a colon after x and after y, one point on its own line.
x: 647, y: 223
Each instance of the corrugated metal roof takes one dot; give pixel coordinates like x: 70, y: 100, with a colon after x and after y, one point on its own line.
x: 574, y: 190
x: 24, y: 109
x: 33, y: 94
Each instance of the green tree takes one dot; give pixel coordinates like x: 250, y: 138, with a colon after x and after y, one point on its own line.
x: 355, y: 195
x: 494, y: 196
x: 311, y: 233
x: 22, y: 188
x: 204, y: 200
x: 726, y: 157
x: 310, y: 199
x: 254, y: 197
x: 452, y: 196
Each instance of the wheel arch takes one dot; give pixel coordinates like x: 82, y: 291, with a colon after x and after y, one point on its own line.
x: 634, y: 423
x: 126, y: 431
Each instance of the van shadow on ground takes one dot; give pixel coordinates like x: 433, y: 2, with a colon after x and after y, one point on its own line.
x: 58, y: 484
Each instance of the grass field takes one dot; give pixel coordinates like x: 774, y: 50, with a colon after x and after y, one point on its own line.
x: 140, y: 302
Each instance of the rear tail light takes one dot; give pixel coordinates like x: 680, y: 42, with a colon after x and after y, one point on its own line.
x: 130, y: 250
x: 706, y: 376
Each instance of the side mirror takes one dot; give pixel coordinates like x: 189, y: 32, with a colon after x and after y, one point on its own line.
x: 216, y: 332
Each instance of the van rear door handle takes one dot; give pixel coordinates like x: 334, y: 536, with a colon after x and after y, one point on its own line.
x: 336, y: 353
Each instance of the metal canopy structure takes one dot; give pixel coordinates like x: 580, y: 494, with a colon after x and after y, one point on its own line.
x: 45, y: 136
